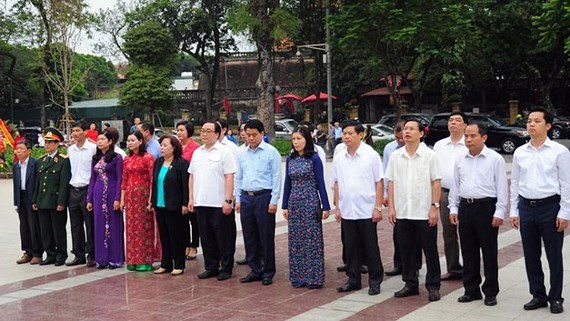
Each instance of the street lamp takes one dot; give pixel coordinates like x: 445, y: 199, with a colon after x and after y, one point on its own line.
x: 327, y: 49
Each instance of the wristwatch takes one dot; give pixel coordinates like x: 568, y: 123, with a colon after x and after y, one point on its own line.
x: 436, y: 205
x: 229, y: 202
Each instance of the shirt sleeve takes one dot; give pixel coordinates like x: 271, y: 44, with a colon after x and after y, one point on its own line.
x: 286, y: 186
x: 125, y: 177
x: 515, y: 173
x: 321, y: 186
x: 453, y: 196
x: 564, y: 176
x: 502, y: 188
x: 239, y: 177
x: 119, y: 173
x: 229, y: 162
x: 275, y: 176
x: 434, y: 168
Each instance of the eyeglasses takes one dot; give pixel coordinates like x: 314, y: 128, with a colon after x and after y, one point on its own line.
x: 207, y: 131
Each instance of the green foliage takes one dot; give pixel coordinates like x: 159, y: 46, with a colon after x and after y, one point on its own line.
x: 151, y: 44
x: 282, y: 145
x: 7, y: 159
x: 554, y: 24
x: 147, y: 89
x: 380, y: 144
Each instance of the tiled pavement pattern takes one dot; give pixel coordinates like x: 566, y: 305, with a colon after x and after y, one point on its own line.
x: 62, y: 293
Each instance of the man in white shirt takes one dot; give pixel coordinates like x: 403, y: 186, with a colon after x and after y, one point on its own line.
x: 413, y: 206
x: 478, y: 200
x: 540, y: 206
x: 358, y: 190
x: 80, y: 157
x: 223, y: 139
x: 210, y: 188
x: 447, y: 151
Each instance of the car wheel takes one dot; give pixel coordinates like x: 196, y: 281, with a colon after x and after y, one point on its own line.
x: 508, y: 146
x: 556, y: 133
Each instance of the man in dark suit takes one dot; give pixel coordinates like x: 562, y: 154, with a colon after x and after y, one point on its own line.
x: 51, y: 197
x: 24, y: 171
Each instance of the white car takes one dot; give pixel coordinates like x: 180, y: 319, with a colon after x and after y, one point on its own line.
x: 380, y: 131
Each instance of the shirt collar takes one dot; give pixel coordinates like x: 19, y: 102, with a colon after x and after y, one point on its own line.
x: 484, y: 153
x: 25, y: 163
x: 261, y: 146
x: 53, y: 155
x: 215, y: 146
x: 460, y: 142
x: 547, y: 143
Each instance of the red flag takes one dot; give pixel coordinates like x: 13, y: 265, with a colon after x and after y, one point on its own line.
x: 227, y: 104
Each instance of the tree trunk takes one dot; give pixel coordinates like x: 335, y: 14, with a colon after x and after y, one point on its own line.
x: 210, y: 91
x: 42, y: 98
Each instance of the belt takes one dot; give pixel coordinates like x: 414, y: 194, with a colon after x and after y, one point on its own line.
x: 80, y: 189
x: 256, y: 193
x: 542, y: 201
x: 445, y: 189
x: 479, y: 200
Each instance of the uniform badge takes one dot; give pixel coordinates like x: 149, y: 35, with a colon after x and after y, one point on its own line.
x: 55, y: 160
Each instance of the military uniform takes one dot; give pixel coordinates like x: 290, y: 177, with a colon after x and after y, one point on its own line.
x: 52, y: 189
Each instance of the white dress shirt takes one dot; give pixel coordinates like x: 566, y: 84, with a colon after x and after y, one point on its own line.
x: 541, y: 173
x: 322, y: 155
x: 447, y: 152
x: 119, y: 151
x: 80, y: 160
x: 480, y: 176
x: 357, y: 177
x: 23, y: 173
x: 208, y: 169
x: 388, y: 150
x: 412, y: 178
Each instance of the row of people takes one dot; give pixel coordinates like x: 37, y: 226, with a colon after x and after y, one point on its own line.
x: 220, y: 179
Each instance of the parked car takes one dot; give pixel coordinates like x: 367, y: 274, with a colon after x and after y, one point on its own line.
x: 499, y: 135
x: 380, y: 132
x: 560, y: 128
x: 31, y: 134
x: 390, y: 120
x: 284, y: 128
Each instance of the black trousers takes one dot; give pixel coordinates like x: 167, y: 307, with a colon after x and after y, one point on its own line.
x: 29, y: 228
x: 193, y: 231
x: 54, y: 233
x: 361, y: 236
x: 413, y: 235
x: 172, y: 238
x: 218, y: 238
x: 537, y: 225
x: 79, y: 217
x: 345, y: 251
x: 450, y: 238
x: 258, y: 227
x: 478, y: 235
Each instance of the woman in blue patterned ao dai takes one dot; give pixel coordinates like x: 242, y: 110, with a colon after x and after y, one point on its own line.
x: 305, y: 204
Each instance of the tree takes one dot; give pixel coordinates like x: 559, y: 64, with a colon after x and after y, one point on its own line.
x: 151, y: 51
x: 267, y: 23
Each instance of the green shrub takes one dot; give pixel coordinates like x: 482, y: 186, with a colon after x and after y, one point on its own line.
x: 282, y: 145
x: 380, y: 144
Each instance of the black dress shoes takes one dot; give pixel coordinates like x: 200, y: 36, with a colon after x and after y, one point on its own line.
x: 451, y: 276
x: 433, y: 295
x: 47, y: 261
x: 251, y: 277
x: 406, y: 291
x: 242, y: 261
x: 490, y: 300
x: 535, y: 303
x: 556, y: 307
x: 374, y: 289
x: 395, y: 271
x: 76, y: 261
x: 59, y: 263
x: 208, y: 274
x: 90, y: 261
x: 342, y: 268
x: 224, y: 276
x: 267, y: 281
x: 468, y: 298
x: 363, y: 269
x: 347, y: 287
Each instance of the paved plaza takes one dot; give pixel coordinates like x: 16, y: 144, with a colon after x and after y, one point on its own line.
x: 31, y: 292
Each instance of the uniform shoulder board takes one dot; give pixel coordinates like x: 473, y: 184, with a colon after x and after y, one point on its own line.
x: 62, y: 156
x: 43, y: 156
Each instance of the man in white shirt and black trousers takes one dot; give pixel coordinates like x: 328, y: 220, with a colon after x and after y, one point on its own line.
x: 413, y: 206
x: 477, y: 203
x: 358, y: 192
x: 540, y: 206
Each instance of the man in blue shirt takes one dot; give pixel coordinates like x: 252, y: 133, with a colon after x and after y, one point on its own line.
x: 257, y: 189
x: 337, y: 133
x: 152, y: 145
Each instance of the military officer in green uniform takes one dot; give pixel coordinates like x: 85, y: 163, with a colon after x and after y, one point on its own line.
x: 51, y: 196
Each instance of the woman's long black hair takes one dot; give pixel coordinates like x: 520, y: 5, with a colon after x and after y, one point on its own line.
x: 309, y: 146
x: 110, y: 153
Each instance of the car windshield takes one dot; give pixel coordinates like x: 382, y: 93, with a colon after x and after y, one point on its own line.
x: 291, y: 123
x: 497, y: 120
